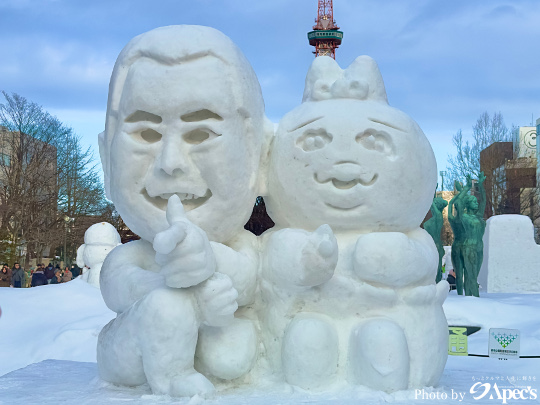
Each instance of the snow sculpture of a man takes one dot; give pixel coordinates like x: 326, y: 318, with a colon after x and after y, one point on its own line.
x: 345, y: 158
x: 181, y: 152
x: 99, y: 240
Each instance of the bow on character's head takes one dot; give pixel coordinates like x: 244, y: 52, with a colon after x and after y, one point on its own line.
x: 362, y: 80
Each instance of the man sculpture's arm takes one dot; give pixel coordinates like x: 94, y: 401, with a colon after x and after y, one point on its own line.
x: 239, y: 260
x: 129, y: 273
x: 180, y: 257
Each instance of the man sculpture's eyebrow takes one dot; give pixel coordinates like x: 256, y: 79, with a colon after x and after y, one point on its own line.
x: 141, y: 115
x: 200, y: 115
x: 304, y: 124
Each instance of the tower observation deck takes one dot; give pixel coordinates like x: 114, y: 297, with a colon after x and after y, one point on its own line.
x: 325, y: 36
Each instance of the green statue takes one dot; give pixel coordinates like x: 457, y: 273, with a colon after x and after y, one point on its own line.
x: 433, y: 226
x: 470, y: 254
x: 459, y: 236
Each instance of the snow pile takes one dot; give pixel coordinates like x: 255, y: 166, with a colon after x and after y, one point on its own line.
x: 511, y: 256
x: 62, y: 322
x: 57, y: 321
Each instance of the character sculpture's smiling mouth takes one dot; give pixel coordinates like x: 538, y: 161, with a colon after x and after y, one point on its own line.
x: 189, y: 201
x: 348, y: 184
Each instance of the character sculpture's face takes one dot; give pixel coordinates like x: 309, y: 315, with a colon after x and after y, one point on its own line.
x: 355, y: 165
x: 180, y: 132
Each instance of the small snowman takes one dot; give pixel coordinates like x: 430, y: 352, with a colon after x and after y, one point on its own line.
x: 99, y: 240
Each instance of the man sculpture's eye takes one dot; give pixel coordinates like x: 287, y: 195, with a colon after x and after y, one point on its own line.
x: 313, y: 140
x: 142, y: 134
x: 200, y: 135
x: 150, y: 136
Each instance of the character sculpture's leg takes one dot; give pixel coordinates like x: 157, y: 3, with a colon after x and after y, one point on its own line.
x: 379, y: 356
x: 154, y: 341
x: 310, y: 351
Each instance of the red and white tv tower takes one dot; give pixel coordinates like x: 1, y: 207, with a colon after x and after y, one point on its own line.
x: 325, y: 36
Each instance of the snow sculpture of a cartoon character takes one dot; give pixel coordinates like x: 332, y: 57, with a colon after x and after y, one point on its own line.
x: 345, y: 158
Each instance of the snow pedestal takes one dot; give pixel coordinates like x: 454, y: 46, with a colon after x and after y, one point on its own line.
x: 511, y: 256
x: 53, y: 382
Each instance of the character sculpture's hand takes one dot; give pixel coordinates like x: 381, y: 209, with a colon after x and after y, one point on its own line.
x: 217, y: 300
x: 297, y: 258
x: 320, y: 256
x: 183, y: 250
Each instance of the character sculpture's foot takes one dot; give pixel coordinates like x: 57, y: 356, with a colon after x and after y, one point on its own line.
x: 379, y: 356
x: 310, y: 351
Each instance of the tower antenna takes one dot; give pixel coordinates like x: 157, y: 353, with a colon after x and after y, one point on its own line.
x: 325, y: 37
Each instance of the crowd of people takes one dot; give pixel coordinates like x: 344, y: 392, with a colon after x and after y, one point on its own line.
x: 17, y: 277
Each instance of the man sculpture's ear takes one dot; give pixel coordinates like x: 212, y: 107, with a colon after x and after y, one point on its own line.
x: 268, y: 140
x: 105, y: 156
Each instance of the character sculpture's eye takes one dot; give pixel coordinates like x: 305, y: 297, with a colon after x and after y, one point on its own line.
x: 200, y: 135
x: 376, y: 140
x: 313, y: 139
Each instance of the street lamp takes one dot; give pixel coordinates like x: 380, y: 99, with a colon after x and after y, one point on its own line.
x: 67, y: 221
x: 442, y: 173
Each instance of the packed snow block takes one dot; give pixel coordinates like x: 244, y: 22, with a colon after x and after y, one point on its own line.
x: 511, y: 256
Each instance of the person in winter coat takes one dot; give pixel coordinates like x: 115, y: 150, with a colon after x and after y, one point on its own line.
x: 5, y: 277
x: 67, y: 275
x: 75, y: 271
x: 18, y: 276
x: 57, y: 279
x: 49, y: 273
x: 38, y: 278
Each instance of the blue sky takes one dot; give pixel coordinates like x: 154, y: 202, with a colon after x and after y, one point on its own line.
x: 443, y: 62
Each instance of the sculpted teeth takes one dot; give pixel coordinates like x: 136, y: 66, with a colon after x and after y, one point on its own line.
x: 344, y: 185
x: 190, y: 201
x: 183, y: 196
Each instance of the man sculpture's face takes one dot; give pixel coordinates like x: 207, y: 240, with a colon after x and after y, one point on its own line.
x: 179, y: 132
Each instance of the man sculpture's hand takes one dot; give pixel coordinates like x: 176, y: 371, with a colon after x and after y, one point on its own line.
x: 183, y: 250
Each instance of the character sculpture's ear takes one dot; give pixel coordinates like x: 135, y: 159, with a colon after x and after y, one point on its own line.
x: 104, y: 154
x: 362, y: 80
x: 268, y: 140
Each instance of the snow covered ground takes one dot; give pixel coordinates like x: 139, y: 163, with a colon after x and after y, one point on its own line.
x: 48, y: 337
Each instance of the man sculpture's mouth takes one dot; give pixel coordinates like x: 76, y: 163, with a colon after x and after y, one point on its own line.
x: 190, y: 201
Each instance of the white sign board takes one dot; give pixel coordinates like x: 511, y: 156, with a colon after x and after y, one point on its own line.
x: 504, y: 343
